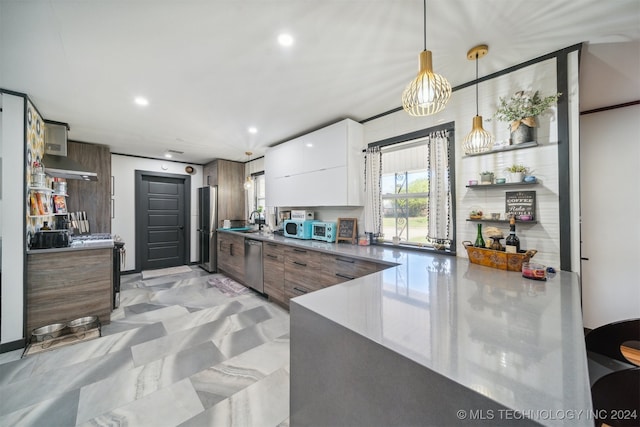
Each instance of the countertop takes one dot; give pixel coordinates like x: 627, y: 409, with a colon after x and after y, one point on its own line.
x: 71, y: 248
x: 516, y: 341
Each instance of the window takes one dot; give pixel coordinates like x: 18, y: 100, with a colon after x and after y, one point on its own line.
x: 256, y: 194
x: 405, y: 185
x: 416, y: 194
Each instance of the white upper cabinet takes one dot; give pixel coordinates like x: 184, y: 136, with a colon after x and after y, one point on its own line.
x: 322, y: 168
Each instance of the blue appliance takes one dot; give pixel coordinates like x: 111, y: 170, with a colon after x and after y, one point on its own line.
x: 298, y: 229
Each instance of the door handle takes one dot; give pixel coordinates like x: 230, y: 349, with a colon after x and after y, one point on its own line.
x: 182, y: 228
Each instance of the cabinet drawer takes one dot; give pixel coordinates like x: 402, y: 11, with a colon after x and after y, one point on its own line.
x: 273, y: 265
x: 351, y: 268
x: 293, y: 289
x: 273, y: 251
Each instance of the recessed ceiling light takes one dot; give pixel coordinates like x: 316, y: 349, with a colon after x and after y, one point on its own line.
x: 168, y: 155
x: 141, y: 101
x: 253, y: 129
x: 285, y: 39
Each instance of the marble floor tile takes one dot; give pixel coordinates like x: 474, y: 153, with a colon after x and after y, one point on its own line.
x: 177, y: 351
x: 10, y: 356
x: 121, y: 389
x: 206, y: 315
x: 264, y: 403
x: 16, y: 370
x: 253, y: 336
x: 55, y: 382
x: 227, y: 378
x: 66, y: 356
x: 145, y: 318
x: 211, y: 331
x: 60, y: 410
x: 167, y: 407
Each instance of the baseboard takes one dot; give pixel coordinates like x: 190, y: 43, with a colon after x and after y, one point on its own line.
x: 11, y: 346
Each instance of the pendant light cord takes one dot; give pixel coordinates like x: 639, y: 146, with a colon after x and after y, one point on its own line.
x: 476, y: 83
x: 424, y: 11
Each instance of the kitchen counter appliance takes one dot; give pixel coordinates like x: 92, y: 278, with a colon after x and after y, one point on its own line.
x: 207, y: 227
x: 253, y: 271
x: 325, y: 231
x: 299, y: 229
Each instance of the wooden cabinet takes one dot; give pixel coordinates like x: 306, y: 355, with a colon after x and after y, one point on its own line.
x: 322, y: 168
x: 273, y: 266
x: 307, y: 270
x: 231, y: 255
x: 92, y: 197
x: 346, y: 268
x: 229, y: 177
x: 303, y: 272
x: 63, y: 286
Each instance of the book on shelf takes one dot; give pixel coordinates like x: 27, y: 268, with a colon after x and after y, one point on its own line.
x: 59, y: 204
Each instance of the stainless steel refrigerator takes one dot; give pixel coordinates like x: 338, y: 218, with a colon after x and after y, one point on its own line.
x: 207, y: 226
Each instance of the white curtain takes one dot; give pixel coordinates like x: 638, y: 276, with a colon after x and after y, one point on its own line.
x: 439, y: 205
x: 373, y: 191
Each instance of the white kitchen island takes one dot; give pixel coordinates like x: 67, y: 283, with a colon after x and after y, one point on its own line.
x: 439, y: 341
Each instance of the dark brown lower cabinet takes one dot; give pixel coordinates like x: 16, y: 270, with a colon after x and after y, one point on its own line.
x: 273, y: 265
x: 231, y: 256
x: 63, y: 286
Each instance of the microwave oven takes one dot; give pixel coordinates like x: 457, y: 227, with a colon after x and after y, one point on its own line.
x: 325, y: 231
x: 298, y: 228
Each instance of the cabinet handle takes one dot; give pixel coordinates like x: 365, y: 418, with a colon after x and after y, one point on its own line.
x: 301, y: 264
x: 271, y: 256
x: 350, y: 261
x: 344, y: 276
x: 272, y: 244
x: 231, y: 249
x: 302, y: 251
x: 303, y: 291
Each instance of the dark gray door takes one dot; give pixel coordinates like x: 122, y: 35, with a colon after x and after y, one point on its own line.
x: 162, y: 220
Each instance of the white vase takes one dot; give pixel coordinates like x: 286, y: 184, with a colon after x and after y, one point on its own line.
x: 516, y: 176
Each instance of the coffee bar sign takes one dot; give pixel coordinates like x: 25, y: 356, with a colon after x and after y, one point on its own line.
x: 521, y: 203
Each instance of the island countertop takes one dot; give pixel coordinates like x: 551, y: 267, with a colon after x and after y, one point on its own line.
x: 515, y: 341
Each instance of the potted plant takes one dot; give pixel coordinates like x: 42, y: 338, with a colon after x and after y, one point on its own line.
x: 521, y: 110
x: 486, y: 177
x: 516, y: 172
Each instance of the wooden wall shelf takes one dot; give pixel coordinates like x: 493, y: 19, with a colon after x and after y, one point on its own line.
x: 506, y: 221
x: 506, y: 184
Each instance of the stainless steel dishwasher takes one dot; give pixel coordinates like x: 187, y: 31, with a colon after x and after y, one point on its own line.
x: 253, y: 273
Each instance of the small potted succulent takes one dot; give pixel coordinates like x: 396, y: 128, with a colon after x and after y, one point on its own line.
x: 521, y: 110
x: 486, y: 177
x: 516, y: 172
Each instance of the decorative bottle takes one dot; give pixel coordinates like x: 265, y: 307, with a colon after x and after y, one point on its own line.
x: 512, y: 244
x: 479, y: 243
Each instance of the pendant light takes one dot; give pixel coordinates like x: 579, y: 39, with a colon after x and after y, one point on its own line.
x: 478, y: 140
x: 428, y: 93
x: 247, y: 183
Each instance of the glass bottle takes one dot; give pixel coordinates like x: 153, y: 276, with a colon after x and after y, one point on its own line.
x: 45, y: 226
x: 479, y: 243
x: 512, y: 244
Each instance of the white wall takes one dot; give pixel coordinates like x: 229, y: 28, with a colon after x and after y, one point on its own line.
x: 13, y: 197
x: 123, y: 222
x: 609, y: 144
x: 542, y: 159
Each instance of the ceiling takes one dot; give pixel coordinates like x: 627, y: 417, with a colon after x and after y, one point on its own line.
x: 211, y: 69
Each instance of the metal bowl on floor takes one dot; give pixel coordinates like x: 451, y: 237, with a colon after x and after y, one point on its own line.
x: 83, y: 324
x: 48, y: 332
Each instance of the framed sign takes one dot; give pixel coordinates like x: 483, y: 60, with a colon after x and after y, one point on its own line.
x: 521, y: 203
x: 347, y: 229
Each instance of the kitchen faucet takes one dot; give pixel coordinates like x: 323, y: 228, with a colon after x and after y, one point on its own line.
x: 257, y: 220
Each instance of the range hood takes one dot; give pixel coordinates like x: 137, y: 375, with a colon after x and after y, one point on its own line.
x: 56, y: 162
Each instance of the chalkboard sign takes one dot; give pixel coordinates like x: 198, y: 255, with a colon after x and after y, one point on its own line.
x: 521, y: 203
x: 347, y: 229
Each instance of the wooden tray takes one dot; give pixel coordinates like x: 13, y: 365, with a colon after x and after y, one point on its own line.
x: 498, y: 259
